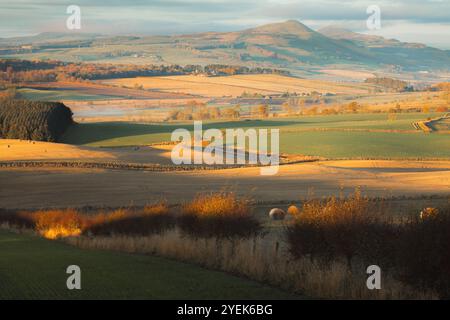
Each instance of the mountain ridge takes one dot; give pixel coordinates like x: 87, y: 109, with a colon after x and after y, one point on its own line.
x: 290, y: 44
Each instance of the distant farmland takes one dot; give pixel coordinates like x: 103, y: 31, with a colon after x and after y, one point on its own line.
x: 89, y: 91
x: 238, y: 84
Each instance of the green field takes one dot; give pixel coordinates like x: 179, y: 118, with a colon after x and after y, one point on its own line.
x: 367, y: 144
x: 299, y: 135
x: 34, y: 268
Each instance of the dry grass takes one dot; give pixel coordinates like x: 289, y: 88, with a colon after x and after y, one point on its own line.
x: 261, y: 260
x: 330, y: 243
x: 412, y: 249
x: 21, y: 150
x: 33, y: 150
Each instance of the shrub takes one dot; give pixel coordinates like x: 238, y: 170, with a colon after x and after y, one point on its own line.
x: 424, y: 253
x: 220, y: 215
x: 54, y: 224
x: 150, y: 220
x: 16, y: 219
x: 415, y: 250
x: 337, y: 228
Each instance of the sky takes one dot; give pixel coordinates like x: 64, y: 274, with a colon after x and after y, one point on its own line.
x: 424, y: 21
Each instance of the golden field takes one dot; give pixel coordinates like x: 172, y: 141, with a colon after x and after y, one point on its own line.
x: 71, y: 187
x: 21, y: 150
x: 238, y: 84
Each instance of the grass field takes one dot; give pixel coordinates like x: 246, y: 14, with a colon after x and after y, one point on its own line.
x: 327, y: 136
x: 367, y: 145
x: 34, y: 268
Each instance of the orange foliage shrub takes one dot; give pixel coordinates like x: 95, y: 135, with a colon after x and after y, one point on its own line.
x: 59, y: 223
x: 341, y: 228
x: 220, y: 215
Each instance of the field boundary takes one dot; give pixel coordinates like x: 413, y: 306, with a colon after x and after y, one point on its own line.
x: 253, y: 203
x: 114, y: 166
x: 134, y: 166
x: 155, y: 167
x: 427, y: 125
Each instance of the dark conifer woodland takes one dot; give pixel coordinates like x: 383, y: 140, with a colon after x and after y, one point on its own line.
x: 33, y: 120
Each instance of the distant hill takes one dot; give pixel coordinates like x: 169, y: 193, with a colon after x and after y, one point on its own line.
x: 292, y: 42
x: 49, y: 37
x: 391, y: 51
x: 290, y: 45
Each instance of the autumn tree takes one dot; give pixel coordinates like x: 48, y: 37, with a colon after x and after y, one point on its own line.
x: 263, y: 110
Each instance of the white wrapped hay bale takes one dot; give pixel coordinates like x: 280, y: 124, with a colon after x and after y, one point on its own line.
x: 277, y: 214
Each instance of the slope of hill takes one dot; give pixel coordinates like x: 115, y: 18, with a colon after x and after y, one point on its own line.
x: 293, y: 42
x: 391, y: 51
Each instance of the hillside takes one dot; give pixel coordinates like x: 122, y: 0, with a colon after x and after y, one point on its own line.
x: 290, y: 45
x: 391, y: 51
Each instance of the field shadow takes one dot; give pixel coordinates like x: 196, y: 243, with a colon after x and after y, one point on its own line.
x: 87, y: 133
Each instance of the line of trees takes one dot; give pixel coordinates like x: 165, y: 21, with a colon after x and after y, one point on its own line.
x: 15, y: 71
x: 33, y: 120
x: 200, y: 111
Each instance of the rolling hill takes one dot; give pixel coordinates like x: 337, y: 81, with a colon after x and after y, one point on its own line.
x: 391, y: 51
x: 290, y: 45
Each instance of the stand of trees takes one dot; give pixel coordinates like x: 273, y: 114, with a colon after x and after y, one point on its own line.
x: 391, y: 84
x: 32, y: 120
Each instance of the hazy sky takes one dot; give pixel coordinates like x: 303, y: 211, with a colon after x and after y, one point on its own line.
x: 426, y: 21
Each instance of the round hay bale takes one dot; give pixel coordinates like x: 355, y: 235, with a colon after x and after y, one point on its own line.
x: 293, y: 210
x: 429, y: 213
x: 277, y: 214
